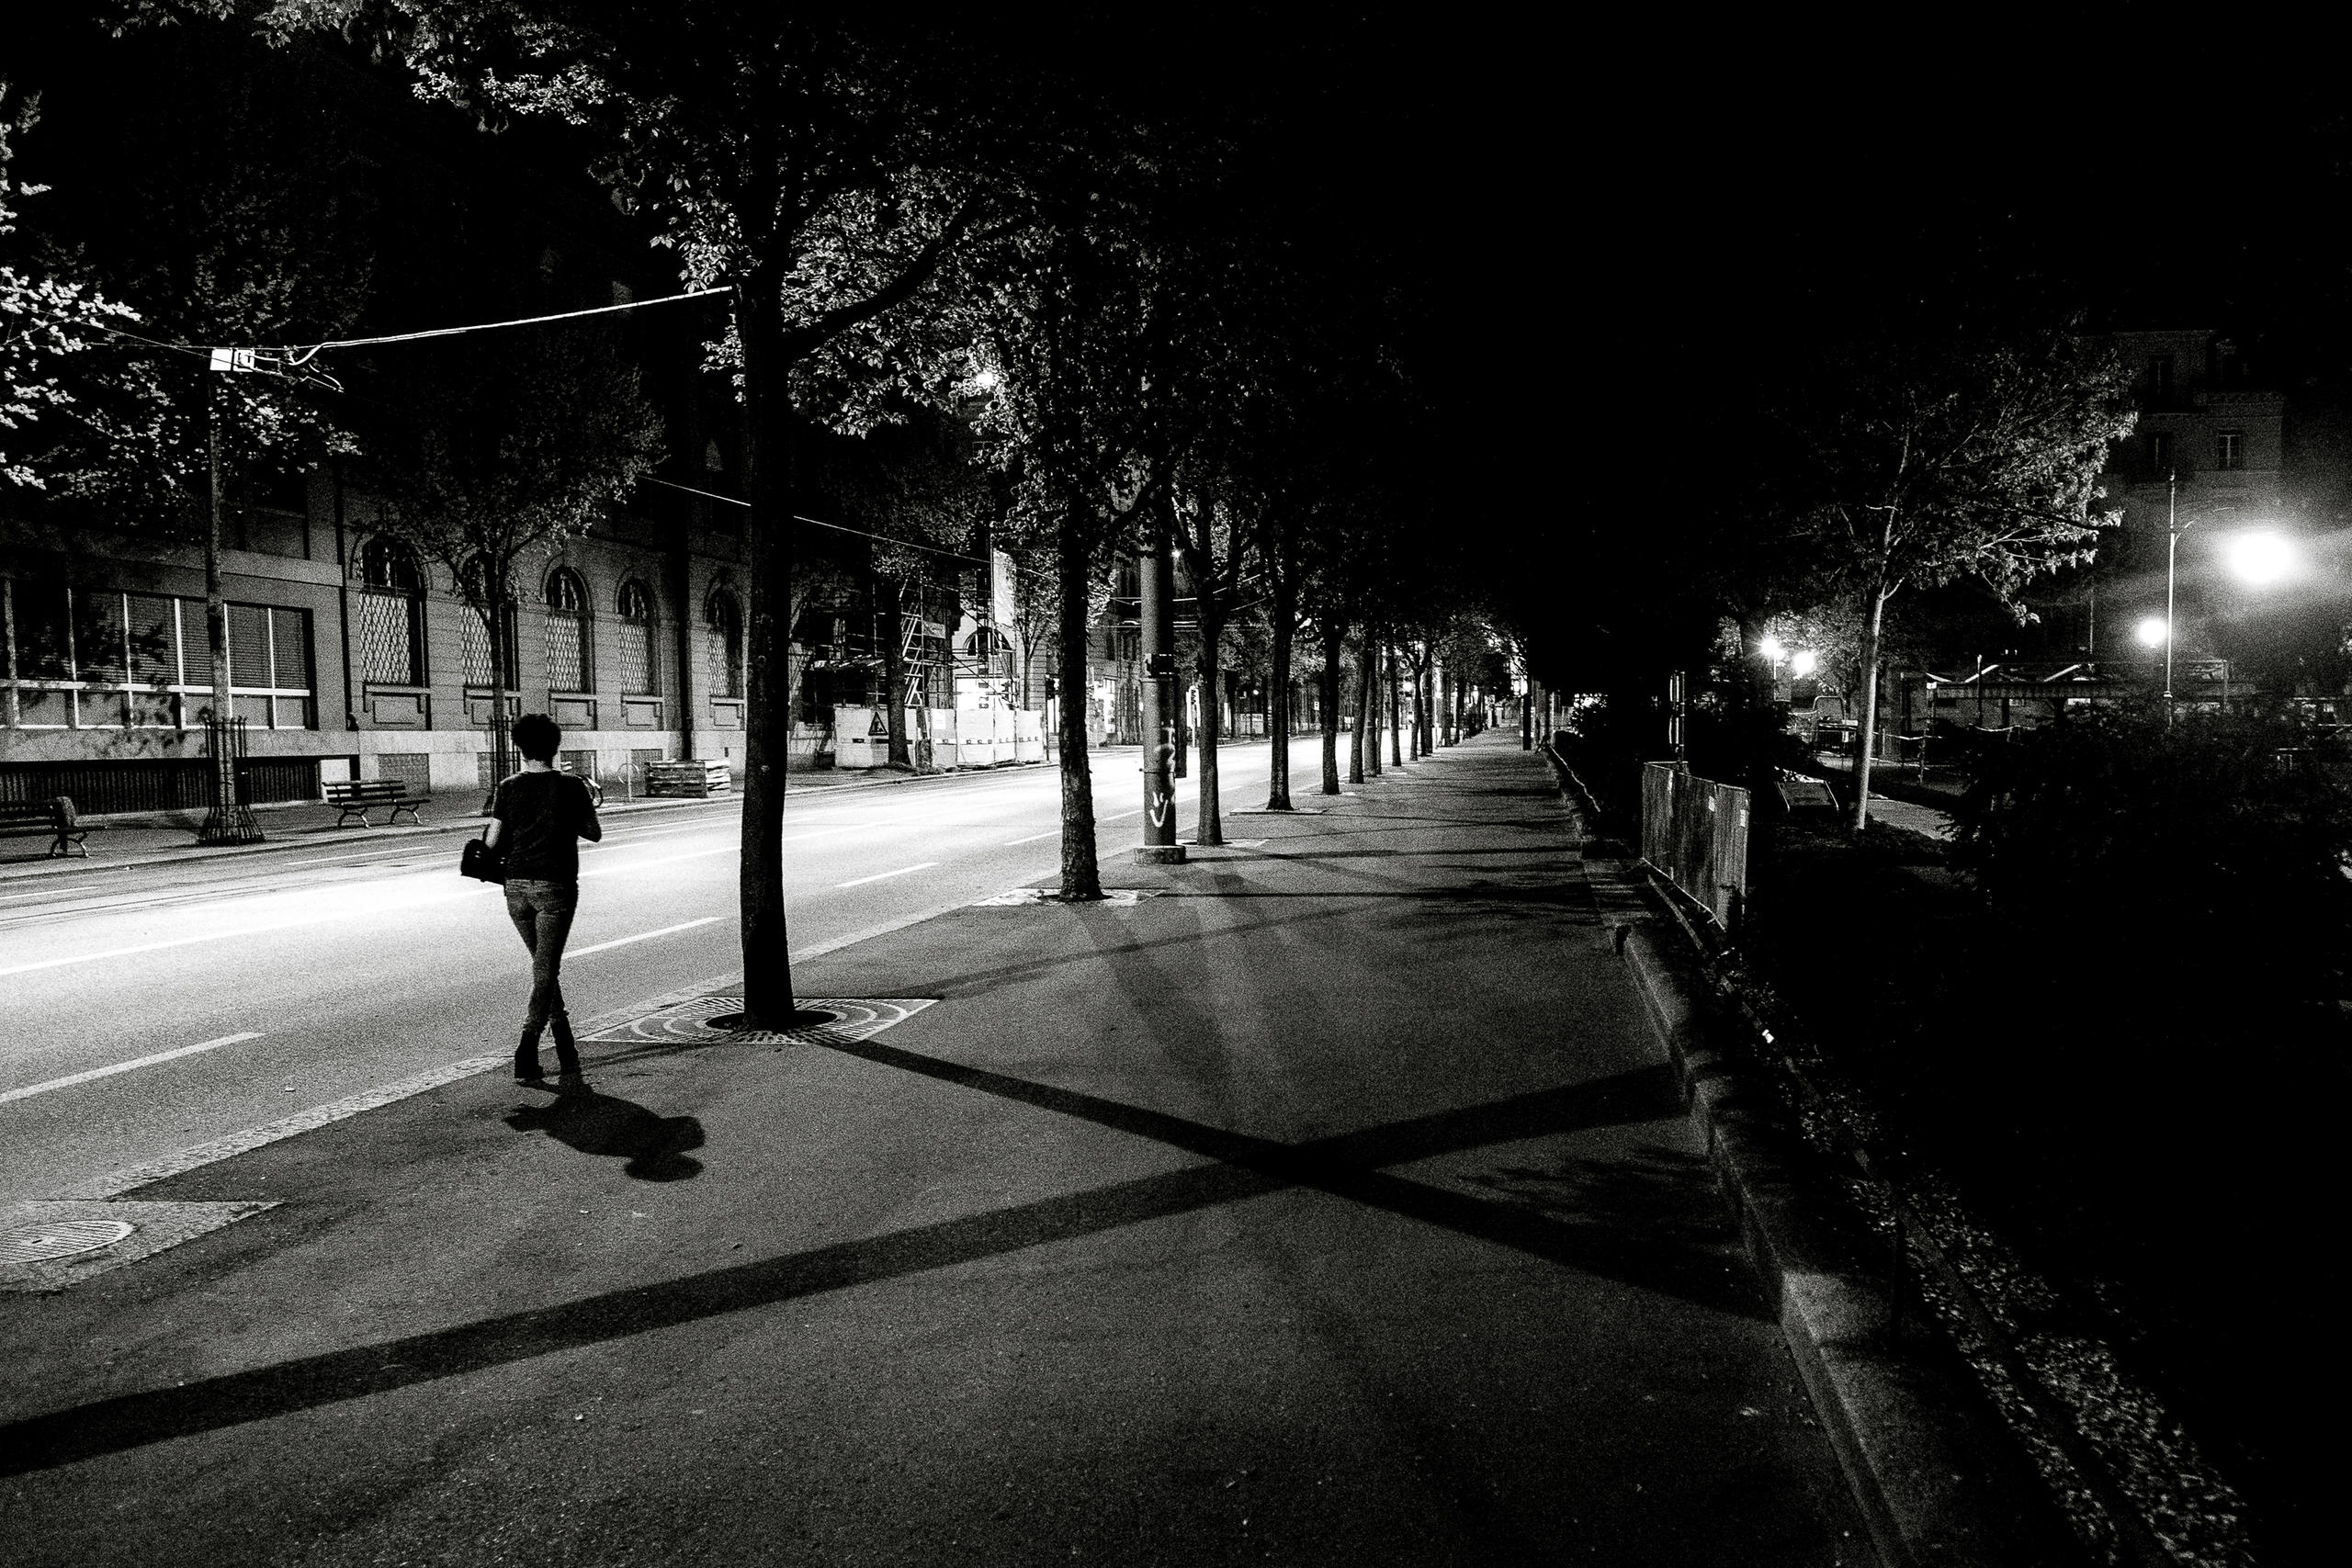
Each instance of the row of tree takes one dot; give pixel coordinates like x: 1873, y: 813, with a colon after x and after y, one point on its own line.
x: 1104, y: 298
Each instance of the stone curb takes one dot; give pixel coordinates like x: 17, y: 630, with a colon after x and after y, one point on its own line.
x: 1939, y: 1481
x: 1938, y: 1477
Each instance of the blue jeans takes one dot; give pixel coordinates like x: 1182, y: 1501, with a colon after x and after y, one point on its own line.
x: 542, y: 911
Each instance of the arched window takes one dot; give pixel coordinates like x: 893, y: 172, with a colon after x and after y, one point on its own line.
x: 391, y: 614
x: 567, y: 631
x: 723, y: 627
x: 637, y: 639
x: 473, y: 642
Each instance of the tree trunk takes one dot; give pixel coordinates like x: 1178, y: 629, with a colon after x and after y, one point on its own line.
x: 1866, y: 736
x: 498, y: 582
x: 768, y: 1001
x: 1362, y: 707
x: 1334, y: 645
x: 1209, y: 825
x: 1278, y: 697
x: 1082, y: 875
x: 1368, y: 702
x: 890, y: 595
x: 1395, y: 712
x: 1426, y: 701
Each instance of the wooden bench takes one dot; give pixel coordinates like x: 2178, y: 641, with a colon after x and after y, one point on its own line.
x: 56, y: 817
x: 357, y: 798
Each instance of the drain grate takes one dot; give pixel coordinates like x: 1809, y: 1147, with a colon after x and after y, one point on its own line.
x: 690, y: 1023
x: 1025, y: 897
x: 38, y: 1244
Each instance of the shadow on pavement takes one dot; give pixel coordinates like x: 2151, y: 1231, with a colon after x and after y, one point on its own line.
x: 1622, y: 1247
x: 595, y: 1123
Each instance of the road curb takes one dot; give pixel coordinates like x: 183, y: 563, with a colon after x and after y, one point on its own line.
x: 1938, y: 1477
x: 1940, y: 1480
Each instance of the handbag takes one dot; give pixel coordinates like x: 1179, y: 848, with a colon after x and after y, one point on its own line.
x: 481, y: 861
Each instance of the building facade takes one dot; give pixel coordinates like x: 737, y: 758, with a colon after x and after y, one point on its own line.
x: 349, y: 658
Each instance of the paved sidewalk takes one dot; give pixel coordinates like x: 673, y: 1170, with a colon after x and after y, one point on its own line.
x: 1333, y: 1205
x: 1910, y: 815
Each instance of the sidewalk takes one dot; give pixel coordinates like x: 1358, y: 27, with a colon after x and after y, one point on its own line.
x: 1332, y: 1204
x: 1912, y: 816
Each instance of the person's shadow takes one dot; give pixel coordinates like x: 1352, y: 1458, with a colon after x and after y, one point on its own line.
x: 595, y: 1123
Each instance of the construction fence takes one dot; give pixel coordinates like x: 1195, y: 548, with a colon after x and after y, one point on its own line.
x: 1694, y: 833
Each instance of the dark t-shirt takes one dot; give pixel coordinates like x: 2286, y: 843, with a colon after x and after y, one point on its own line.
x: 543, y: 816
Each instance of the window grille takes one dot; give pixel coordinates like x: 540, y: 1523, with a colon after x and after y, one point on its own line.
x: 388, y: 638
x: 567, y: 631
x: 723, y: 626
x: 391, y: 616
x: 473, y: 648
x: 637, y: 639
x: 2229, y: 450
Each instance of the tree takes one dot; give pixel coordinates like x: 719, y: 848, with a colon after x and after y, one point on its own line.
x: 818, y: 168
x: 45, y: 317
x: 228, y: 215
x: 489, y: 450
x: 907, y: 482
x: 1215, y: 545
x: 1918, y: 458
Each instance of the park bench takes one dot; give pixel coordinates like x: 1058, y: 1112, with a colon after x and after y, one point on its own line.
x: 55, y: 817
x: 357, y: 798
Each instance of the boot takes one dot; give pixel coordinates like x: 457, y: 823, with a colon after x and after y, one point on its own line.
x: 567, y: 1054
x: 527, y: 1061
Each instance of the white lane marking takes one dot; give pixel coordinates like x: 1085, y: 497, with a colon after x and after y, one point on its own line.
x: 116, y: 1183
x: 331, y: 860
x: 662, y: 860
x: 312, y: 919
x: 1122, y: 816
x: 642, y: 936
x: 1016, y: 843
x: 31, y: 1090
x: 861, y: 881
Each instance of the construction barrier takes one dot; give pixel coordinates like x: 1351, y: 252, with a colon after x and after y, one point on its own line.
x: 1694, y: 833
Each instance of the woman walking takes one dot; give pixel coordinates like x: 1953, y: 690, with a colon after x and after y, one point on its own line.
x: 539, y: 817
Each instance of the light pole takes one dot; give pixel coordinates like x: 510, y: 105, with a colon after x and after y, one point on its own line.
x: 2173, y: 529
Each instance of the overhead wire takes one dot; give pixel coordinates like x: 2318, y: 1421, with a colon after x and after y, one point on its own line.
x: 820, y: 523
x: 301, y: 354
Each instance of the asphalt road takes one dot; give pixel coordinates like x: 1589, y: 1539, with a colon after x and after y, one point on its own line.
x: 330, y: 972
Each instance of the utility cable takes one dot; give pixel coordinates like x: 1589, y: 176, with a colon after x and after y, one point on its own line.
x: 301, y: 354
x: 820, y: 523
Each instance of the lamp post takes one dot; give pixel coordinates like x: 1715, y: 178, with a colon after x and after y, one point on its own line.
x: 2173, y: 529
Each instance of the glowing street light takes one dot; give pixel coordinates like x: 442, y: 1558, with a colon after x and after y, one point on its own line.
x: 2153, y: 631
x: 2260, y: 558
x: 1769, y: 647
x: 1802, y: 663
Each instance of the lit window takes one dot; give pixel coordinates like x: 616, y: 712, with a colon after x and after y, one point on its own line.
x: 2228, y: 449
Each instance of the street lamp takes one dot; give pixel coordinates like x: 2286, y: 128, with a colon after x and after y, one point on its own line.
x: 2173, y: 529
x: 2260, y: 558
x: 1802, y: 663
x: 2152, y: 630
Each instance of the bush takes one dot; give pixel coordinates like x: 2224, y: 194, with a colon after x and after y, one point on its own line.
x: 2192, y: 870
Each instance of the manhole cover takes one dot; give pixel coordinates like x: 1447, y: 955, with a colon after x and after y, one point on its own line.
x: 38, y: 1244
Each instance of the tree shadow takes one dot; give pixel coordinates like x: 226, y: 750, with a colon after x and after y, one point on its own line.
x: 654, y: 1146
x: 1616, y: 1245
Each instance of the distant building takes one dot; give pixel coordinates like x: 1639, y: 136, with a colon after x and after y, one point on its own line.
x: 2205, y: 417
